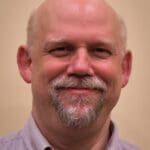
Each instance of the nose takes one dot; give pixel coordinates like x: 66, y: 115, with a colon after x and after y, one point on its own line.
x: 80, y: 64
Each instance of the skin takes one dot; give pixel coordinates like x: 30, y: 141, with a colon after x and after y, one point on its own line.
x: 83, y: 24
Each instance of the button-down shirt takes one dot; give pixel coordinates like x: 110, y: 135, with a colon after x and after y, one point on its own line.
x: 30, y: 138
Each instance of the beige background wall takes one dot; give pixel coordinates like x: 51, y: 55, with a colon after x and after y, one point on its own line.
x: 132, y: 112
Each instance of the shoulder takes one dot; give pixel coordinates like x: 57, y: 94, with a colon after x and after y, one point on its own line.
x: 116, y: 143
x: 12, y: 142
x: 127, y: 146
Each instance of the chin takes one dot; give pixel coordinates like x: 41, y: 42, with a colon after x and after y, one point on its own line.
x: 77, y: 116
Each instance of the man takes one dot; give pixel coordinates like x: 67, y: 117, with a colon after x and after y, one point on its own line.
x: 77, y: 63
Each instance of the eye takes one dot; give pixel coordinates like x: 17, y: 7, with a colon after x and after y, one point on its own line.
x: 101, y: 52
x: 59, y: 51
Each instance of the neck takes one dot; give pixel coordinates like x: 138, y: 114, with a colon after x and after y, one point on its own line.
x: 94, y: 137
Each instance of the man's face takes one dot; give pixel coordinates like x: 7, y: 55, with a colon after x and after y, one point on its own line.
x: 77, y: 67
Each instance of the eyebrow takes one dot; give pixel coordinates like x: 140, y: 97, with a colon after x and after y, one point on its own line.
x: 54, y: 41
x: 103, y: 43
x: 57, y: 39
x: 62, y: 40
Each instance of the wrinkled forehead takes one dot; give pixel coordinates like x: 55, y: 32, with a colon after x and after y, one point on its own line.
x: 86, y: 14
x: 75, y: 11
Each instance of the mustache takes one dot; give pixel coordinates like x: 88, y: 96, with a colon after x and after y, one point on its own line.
x: 86, y: 82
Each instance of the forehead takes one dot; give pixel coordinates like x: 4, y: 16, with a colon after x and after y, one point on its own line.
x: 76, y: 18
x: 75, y: 11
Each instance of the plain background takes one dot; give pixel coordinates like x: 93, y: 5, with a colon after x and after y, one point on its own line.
x: 132, y: 114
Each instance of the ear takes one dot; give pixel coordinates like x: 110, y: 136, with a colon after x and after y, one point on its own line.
x: 24, y: 63
x: 126, y: 67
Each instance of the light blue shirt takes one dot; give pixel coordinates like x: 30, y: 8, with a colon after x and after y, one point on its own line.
x: 30, y: 138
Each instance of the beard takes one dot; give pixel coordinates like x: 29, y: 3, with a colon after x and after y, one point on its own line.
x: 77, y: 110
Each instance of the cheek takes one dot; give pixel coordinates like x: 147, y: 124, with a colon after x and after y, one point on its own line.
x: 49, y: 68
x: 43, y: 73
x: 111, y: 73
x: 52, y: 69
x: 108, y: 71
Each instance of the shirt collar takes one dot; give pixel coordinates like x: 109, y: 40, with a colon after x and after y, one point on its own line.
x: 33, y: 137
x: 114, y: 141
x: 35, y: 140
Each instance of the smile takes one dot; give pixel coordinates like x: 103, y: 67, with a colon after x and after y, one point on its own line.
x: 78, y: 91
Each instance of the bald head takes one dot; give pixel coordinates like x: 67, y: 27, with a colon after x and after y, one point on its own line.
x: 80, y: 39
x: 81, y: 11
